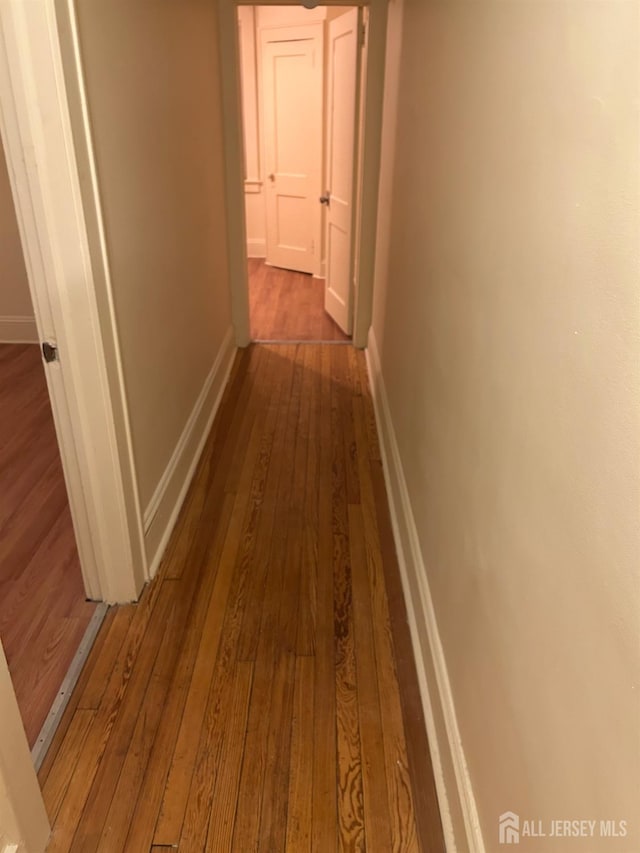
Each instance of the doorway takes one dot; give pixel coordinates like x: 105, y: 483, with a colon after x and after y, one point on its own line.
x: 300, y: 74
x: 44, y: 614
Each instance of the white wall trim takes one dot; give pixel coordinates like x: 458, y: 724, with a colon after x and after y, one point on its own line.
x: 162, y: 511
x: 234, y: 168
x: 97, y: 247
x: 248, y: 54
x: 18, y: 330
x: 256, y: 247
x: 455, y: 793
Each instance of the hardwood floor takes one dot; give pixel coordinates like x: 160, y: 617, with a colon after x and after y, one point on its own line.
x: 251, y: 700
x: 288, y: 306
x: 43, y: 612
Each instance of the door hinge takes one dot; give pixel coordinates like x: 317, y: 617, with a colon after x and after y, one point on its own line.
x: 49, y: 352
x: 363, y: 35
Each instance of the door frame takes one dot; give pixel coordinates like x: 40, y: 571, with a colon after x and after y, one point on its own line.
x: 23, y: 818
x: 366, y: 200
x: 85, y: 385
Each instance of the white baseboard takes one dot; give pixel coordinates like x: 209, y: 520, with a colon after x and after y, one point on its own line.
x: 162, y: 512
x: 18, y: 330
x: 455, y: 794
x: 256, y: 248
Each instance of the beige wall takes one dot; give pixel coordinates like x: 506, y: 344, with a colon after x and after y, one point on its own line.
x: 152, y: 79
x: 16, y: 310
x: 507, y: 320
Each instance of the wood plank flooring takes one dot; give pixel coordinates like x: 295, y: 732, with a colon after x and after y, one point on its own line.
x: 43, y: 612
x: 288, y: 306
x: 262, y: 695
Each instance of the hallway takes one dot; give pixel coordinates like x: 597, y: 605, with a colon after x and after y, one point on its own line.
x: 262, y: 694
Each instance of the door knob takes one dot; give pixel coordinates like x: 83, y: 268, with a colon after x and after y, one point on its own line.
x: 272, y: 177
x: 326, y: 198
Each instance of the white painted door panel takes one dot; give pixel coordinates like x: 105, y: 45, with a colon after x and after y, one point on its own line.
x: 341, y: 150
x: 292, y: 79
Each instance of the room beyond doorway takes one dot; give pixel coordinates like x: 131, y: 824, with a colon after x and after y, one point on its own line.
x: 301, y: 82
x: 288, y: 306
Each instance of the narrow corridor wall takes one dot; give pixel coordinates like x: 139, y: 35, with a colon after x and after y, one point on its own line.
x: 505, y: 344
x: 152, y: 78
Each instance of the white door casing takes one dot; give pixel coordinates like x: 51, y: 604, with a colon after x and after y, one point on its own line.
x: 84, y: 387
x: 23, y: 817
x: 292, y: 82
x: 342, y: 74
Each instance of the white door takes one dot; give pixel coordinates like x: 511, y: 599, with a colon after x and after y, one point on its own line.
x: 341, y: 153
x: 292, y: 114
